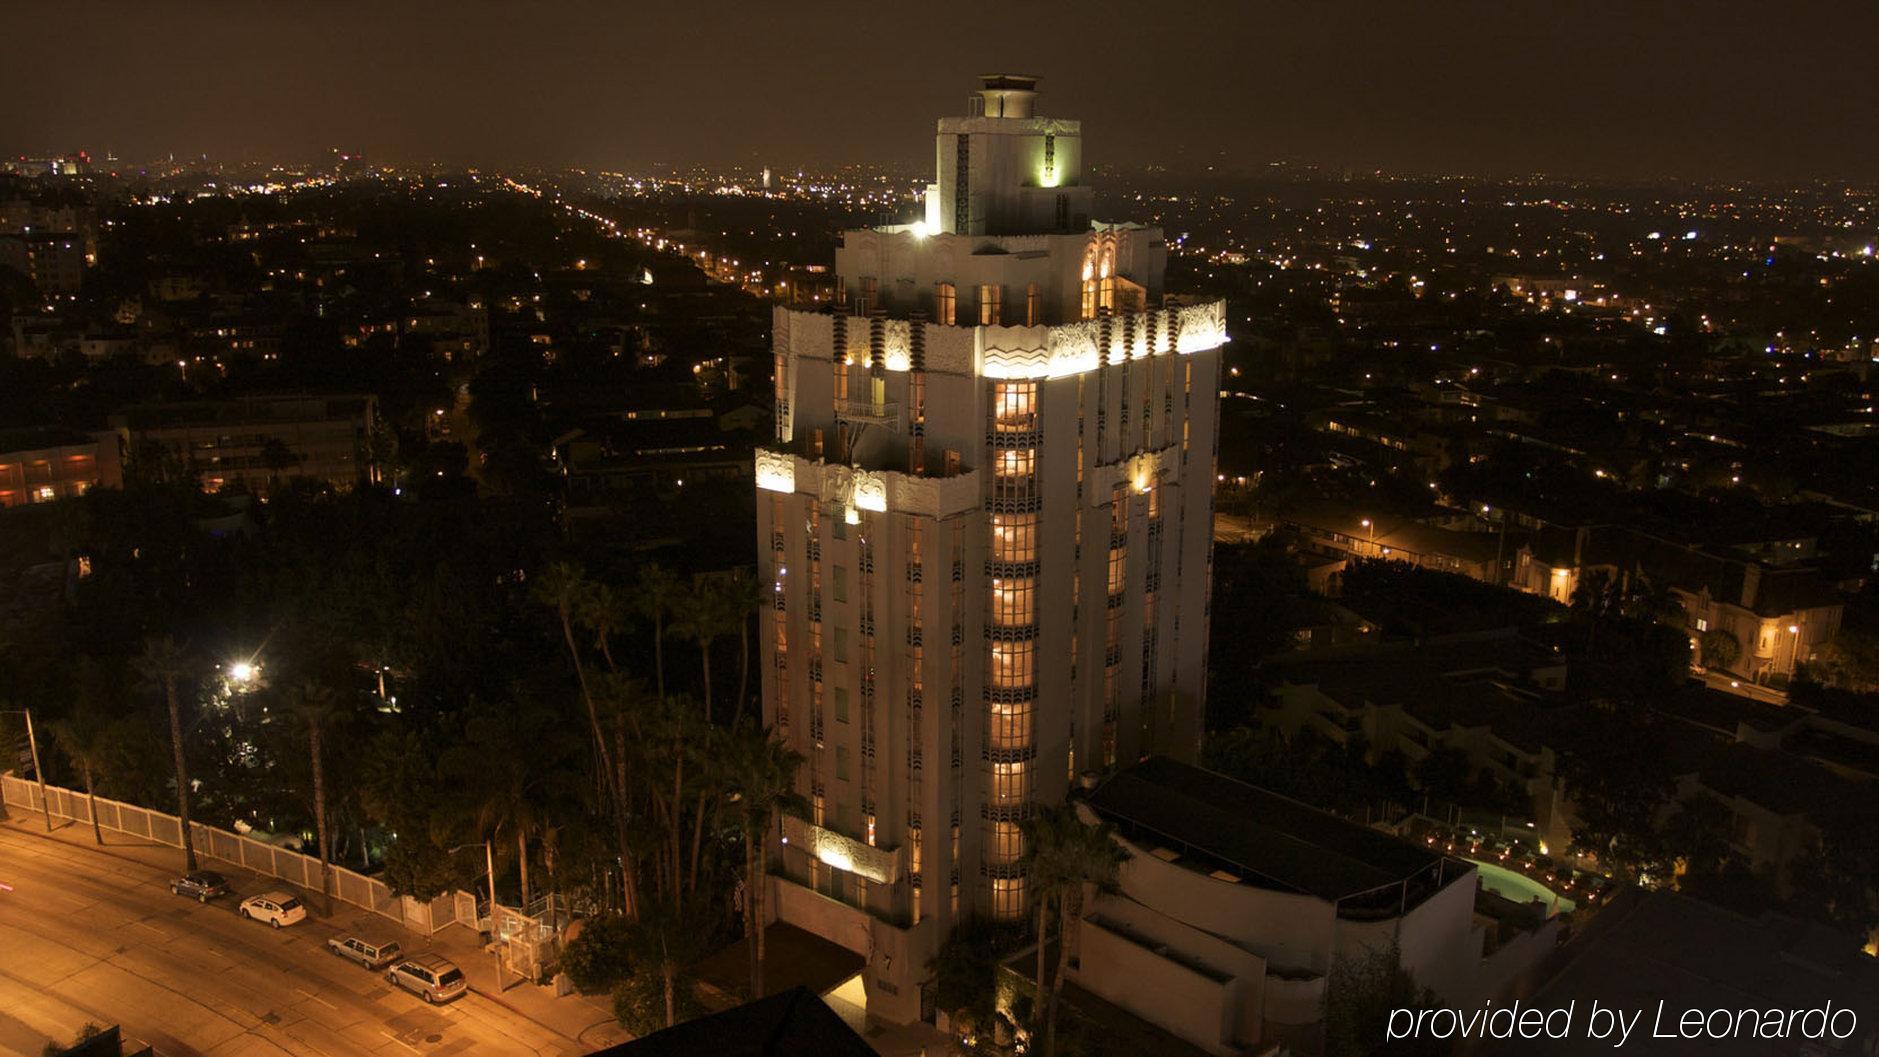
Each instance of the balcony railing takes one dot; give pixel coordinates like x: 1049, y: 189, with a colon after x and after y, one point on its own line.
x: 869, y: 413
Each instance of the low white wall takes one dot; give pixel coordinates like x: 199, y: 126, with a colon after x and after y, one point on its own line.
x: 1289, y: 931
x: 1162, y: 991
x: 302, y: 871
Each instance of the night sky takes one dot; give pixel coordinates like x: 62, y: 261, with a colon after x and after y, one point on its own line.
x: 1708, y: 89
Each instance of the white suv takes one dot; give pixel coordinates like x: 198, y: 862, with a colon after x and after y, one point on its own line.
x: 275, y: 908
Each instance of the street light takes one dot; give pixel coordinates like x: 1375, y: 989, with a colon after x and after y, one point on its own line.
x: 39, y: 772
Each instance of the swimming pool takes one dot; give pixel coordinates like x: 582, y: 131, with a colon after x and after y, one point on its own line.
x: 1514, y: 885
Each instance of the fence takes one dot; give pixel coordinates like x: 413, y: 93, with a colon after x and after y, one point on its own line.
x: 302, y: 871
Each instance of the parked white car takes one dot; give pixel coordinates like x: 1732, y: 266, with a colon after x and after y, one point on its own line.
x: 275, y: 908
x: 373, y: 954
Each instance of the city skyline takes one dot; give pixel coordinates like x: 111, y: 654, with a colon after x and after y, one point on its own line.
x: 1592, y: 90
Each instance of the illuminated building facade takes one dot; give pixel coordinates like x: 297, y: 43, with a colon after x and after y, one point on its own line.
x: 985, y: 523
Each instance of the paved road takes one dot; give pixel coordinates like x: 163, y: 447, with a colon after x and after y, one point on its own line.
x: 87, y: 936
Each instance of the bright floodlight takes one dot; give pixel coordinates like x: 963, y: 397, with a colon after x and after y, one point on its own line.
x: 241, y: 671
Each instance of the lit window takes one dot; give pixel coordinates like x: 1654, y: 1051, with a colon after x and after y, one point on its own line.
x: 1014, y: 406
x: 946, y: 305
x: 1033, y: 305
x: 1118, y: 570
x: 1014, y: 537
x: 1011, y: 783
x: 1008, y: 898
x: 1016, y: 462
x: 1006, y: 842
x: 1013, y: 665
x: 991, y: 304
x: 1013, y: 604
x: 1009, y: 727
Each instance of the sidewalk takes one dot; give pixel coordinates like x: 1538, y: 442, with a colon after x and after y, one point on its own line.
x: 586, y: 1022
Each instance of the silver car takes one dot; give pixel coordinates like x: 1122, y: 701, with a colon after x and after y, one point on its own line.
x: 373, y: 954
x: 431, y: 977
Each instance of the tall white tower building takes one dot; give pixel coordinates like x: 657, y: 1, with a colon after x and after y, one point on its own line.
x: 986, y: 523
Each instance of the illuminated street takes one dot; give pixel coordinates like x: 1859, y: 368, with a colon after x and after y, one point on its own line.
x: 92, y: 937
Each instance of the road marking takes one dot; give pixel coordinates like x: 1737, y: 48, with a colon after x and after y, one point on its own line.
x: 400, y: 1042
x: 317, y: 998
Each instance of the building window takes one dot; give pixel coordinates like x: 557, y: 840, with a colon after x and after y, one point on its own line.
x: 1013, y: 601
x: 841, y: 645
x: 1011, y: 783
x: 841, y: 704
x: 1015, y: 463
x: 870, y: 290
x: 946, y: 305
x: 1013, y: 665
x: 1014, y: 537
x: 1701, y: 624
x: 1010, y: 726
x: 991, y: 304
x: 1014, y: 406
x: 841, y: 767
x: 1006, y: 843
x: 1033, y: 305
x: 1118, y: 569
x: 841, y: 583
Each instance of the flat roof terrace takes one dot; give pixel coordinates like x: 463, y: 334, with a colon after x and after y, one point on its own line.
x: 1262, y: 838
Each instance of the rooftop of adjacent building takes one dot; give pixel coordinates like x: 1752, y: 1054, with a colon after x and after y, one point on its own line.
x: 40, y: 438
x: 1652, y: 946
x: 1269, y: 839
x: 271, y: 407
x: 792, y: 1023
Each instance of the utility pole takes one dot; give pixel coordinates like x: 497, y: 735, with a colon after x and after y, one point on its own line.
x: 489, y: 859
x: 38, y: 772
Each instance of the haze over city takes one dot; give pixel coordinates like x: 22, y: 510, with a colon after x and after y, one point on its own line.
x: 1725, y: 90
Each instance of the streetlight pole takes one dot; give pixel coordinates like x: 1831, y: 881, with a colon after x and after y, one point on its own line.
x: 489, y: 861
x: 45, y: 804
x: 39, y: 773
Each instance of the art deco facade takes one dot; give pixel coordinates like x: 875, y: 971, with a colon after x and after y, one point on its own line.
x: 985, y: 526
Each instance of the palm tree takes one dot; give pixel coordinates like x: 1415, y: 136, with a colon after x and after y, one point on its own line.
x: 317, y: 706
x: 668, y: 941
x: 562, y: 586
x: 743, y: 599
x: 85, y: 739
x: 1066, y: 857
x: 603, y: 612
x: 492, y: 761
x: 655, y: 595
x: 705, y: 618
x: 162, y: 664
x: 761, y: 773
